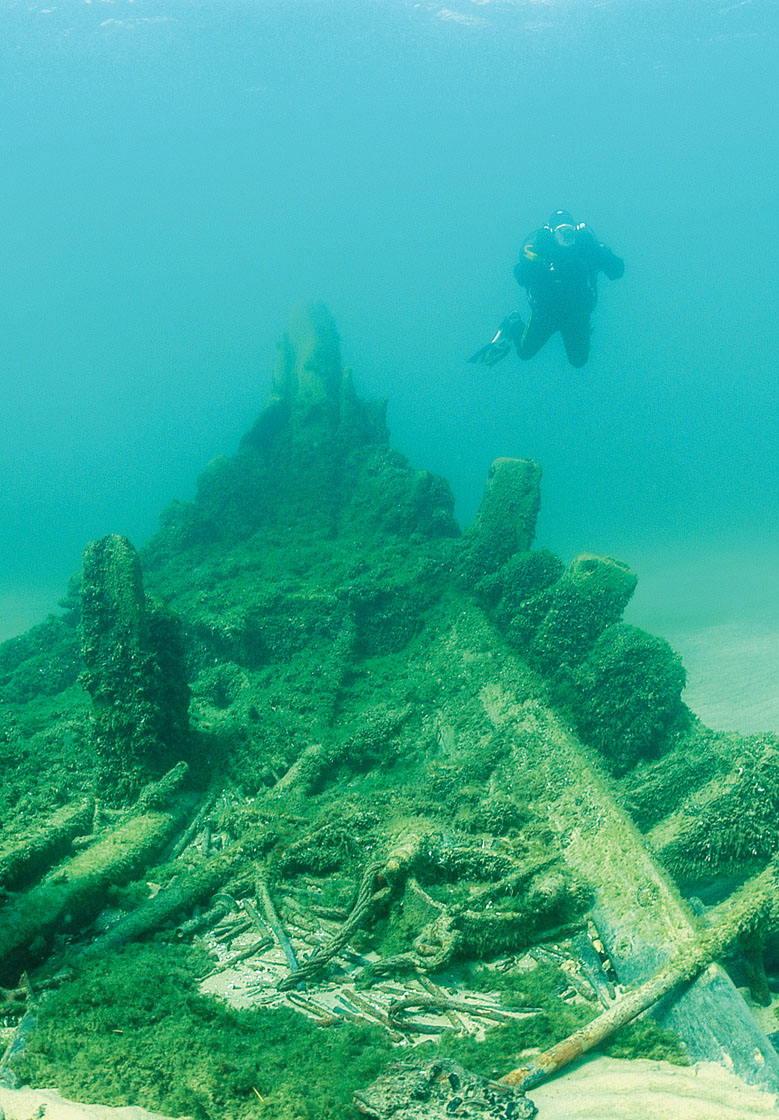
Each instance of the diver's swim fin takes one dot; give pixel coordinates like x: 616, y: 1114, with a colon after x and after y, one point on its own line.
x: 499, y: 346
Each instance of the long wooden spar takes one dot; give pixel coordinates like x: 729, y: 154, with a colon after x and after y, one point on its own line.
x: 730, y: 919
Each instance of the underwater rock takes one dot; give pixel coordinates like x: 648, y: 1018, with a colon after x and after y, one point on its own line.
x: 134, y: 670
x: 437, y: 1090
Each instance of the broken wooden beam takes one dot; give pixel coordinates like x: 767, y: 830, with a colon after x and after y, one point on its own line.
x: 180, y: 897
x: 195, y: 825
x: 642, y: 918
x: 23, y: 861
x: 281, y: 936
x: 75, y: 892
x: 732, y: 918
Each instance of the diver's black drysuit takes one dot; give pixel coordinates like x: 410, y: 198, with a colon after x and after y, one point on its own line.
x: 561, y: 283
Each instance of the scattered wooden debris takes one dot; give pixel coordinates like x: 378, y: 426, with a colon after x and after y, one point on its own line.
x: 280, y: 934
x: 314, y: 1010
x: 227, y: 931
x: 180, y: 897
x: 467, y: 1006
x: 420, y: 1009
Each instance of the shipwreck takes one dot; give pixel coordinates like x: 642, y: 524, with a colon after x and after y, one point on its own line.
x: 319, y: 804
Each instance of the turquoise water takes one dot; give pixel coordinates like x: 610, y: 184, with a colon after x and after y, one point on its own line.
x: 178, y: 174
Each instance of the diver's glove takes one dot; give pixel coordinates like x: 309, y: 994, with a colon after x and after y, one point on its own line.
x: 509, y: 330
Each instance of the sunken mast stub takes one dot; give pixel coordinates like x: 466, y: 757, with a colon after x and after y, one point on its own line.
x: 317, y: 457
x: 312, y: 395
x: 308, y: 362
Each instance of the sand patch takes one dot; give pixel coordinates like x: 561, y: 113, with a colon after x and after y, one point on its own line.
x: 47, y: 1104
x: 595, y: 1089
x: 732, y: 672
x: 611, y: 1089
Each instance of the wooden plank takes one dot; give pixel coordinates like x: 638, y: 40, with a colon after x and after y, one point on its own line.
x: 639, y: 912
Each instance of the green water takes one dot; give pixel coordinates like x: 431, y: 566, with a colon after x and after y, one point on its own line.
x: 177, y: 175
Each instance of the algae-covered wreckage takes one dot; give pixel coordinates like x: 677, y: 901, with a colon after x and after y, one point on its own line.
x: 319, y: 804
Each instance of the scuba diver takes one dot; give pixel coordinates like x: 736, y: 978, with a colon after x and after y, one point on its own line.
x: 559, y: 268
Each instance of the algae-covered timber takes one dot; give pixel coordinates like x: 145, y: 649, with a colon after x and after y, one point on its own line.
x: 688, y: 964
x: 134, y: 670
x: 75, y: 891
x: 427, y: 751
x: 23, y: 860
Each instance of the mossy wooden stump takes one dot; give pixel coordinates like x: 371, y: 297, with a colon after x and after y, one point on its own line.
x: 506, y: 521
x: 134, y: 670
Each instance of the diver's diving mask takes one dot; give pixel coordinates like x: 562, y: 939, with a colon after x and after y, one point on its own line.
x: 565, y: 235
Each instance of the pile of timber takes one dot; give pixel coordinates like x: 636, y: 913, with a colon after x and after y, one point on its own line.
x: 74, y: 892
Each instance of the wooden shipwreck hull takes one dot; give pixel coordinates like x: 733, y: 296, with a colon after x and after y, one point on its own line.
x: 429, y: 737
